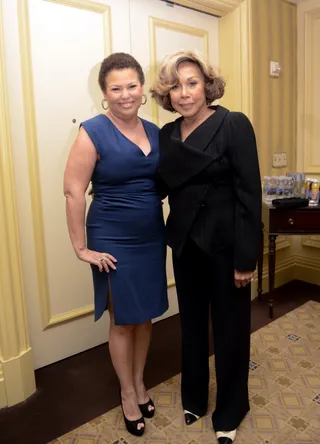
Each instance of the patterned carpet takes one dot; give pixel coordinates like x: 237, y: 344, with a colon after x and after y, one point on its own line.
x: 284, y: 392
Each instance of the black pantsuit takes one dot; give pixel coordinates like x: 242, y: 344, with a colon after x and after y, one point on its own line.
x: 213, y: 183
x: 206, y: 284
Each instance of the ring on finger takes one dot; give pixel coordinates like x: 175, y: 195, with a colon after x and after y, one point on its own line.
x: 101, y: 259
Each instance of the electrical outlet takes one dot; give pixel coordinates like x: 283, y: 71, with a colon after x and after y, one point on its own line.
x: 283, y: 160
x: 276, y: 160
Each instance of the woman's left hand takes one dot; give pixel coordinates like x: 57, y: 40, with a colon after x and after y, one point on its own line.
x: 242, y: 278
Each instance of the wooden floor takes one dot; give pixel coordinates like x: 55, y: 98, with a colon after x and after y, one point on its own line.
x: 78, y: 389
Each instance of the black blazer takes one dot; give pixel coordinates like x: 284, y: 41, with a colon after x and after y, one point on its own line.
x: 214, y: 186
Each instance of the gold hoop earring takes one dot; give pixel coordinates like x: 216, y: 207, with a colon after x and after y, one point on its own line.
x: 145, y: 99
x: 102, y: 104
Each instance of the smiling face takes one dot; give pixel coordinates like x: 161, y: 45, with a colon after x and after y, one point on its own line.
x: 123, y: 92
x: 188, y: 96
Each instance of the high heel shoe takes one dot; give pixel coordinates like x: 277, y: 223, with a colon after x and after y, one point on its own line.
x: 132, y: 426
x: 226, y: 437
x: 144, y: 409
x: 190, y: 418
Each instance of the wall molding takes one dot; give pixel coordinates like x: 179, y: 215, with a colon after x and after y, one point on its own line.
x: 307, y: 269
x: 83, y: 311
x: 309, y: 262
x: 19, y: 378
x: 3, y: 395
x: 14, y: 336
x: 33, y: 155
x: 246, y: 90
x: 67, y: 316
x: 92, y: 6
x: 281, y: 265
x: 155, y: 23
x: 282, y: 242
x: 296, y: 266
x: 311, y: 241
x: 215, y: 7
x: 284, y: 272
x: 309, y: 98
x: 235, y: 58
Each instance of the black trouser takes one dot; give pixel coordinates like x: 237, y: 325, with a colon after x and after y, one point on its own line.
x: 205, y: 283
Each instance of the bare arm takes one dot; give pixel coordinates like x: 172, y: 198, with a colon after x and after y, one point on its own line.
x: 78, y: 172
x: 77, y: 175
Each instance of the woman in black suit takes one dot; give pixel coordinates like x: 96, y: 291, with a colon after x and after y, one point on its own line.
x: 209, y: 169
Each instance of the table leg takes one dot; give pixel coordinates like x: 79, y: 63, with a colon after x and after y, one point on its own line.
x: 260, y: 266
x: 272, y: 266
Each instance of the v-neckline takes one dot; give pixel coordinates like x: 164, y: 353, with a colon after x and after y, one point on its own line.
x: 197, y: 127
x: 127, y: 138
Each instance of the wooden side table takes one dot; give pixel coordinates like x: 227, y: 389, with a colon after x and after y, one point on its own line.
x: 275, y: 221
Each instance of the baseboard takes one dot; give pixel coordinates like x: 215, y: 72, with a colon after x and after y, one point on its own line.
x: 284, y: 272
x: 294, y: 267
x: 3, y: 396
x: 18, y: 375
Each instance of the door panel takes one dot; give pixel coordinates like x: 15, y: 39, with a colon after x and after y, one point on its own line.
x: 66, y: 43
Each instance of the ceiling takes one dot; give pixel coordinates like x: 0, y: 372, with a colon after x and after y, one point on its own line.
x: 297, y: 2
x: 215, y: 7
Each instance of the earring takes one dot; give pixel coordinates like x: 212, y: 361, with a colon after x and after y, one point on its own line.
x: 145, y: 99
x: 102, y: 104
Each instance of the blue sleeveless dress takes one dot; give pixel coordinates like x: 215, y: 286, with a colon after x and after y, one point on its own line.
x: 125, y: 219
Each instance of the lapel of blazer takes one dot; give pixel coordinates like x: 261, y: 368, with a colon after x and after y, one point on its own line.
x: 181, y: 161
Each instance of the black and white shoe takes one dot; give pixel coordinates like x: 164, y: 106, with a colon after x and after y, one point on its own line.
x: 226, y: 437
x: 190, y: 418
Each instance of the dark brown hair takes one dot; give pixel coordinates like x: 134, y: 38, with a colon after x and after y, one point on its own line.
x: 118, y: 61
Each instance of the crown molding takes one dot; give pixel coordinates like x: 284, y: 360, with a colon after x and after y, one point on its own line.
x: 214, y: 7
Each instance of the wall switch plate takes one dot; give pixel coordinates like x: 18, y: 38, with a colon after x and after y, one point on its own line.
x: 275, y: 69
x: 276, y: 160
x: 283, y: 159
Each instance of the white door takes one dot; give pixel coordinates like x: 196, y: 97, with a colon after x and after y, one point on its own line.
x: 53, y: 50
x: 52, y: 88
x: 157, y: 29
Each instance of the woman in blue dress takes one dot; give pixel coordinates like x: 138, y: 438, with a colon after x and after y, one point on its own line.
x: 125, y: 245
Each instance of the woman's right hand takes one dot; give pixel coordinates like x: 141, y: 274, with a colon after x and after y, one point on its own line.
x: 101, y: 260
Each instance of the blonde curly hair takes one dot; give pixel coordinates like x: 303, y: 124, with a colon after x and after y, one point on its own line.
x: 168, y: 76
